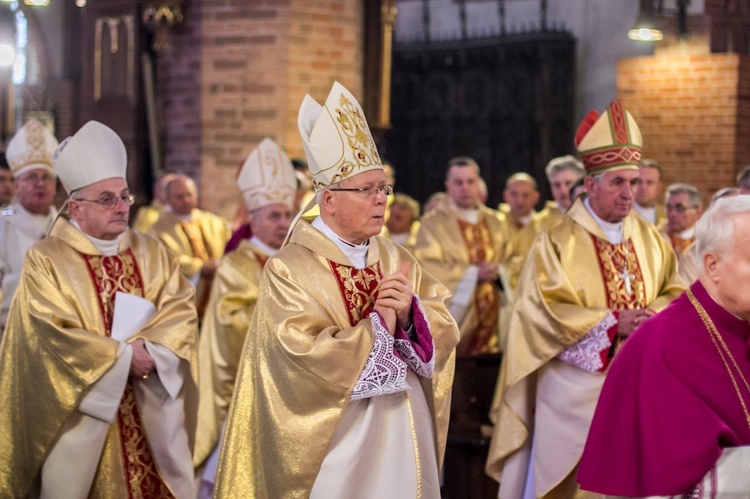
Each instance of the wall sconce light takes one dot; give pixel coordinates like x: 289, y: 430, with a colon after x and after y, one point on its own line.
x: 36, y: 3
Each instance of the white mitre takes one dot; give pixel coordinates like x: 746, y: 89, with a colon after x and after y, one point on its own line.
x: 31, y: 147
x: 336, y: 138
x: 93, y: 154
x: 267, y: 177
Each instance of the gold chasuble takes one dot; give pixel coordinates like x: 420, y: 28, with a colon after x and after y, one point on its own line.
x: 56, y: 347
x: 447, y: 245
x: 572, y: 281
x: 304, y: 353
x: 225, y: 325
x: 193, y: 242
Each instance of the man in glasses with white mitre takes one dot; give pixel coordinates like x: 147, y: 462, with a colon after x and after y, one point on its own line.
x: 345, y: 381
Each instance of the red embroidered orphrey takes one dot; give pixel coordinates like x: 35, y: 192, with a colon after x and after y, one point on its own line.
x: 478, y: 240
x: 359, y: 289
x: 111, y: 274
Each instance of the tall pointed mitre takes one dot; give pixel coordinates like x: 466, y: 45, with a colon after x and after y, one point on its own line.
x: 608, y: 142
x: 31, y: 147
x: 336, y: 138
x: 93, y: 154
x: 267, y: 177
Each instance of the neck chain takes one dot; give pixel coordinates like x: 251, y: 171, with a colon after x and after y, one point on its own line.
x: 723, y: 350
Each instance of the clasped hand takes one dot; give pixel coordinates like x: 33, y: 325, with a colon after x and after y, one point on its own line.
x: 630, y: 319
x: 142, y: 364
x: 394, y: 299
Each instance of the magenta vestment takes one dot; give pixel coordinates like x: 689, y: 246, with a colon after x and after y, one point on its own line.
x: 668, y: 406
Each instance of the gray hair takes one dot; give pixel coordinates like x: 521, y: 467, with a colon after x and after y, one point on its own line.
x: 556, y: 165
x: 724, y: 192
x: 743, y: 178
x: 714, y: 232
x: 694, y: 197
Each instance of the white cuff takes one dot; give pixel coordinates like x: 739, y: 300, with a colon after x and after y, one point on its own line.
x: 103, y: 399
x: 167, y: 366
x: 384, y: 372
x: 585, y: 353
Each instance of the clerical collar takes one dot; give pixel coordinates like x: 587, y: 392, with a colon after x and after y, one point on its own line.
x: 648, y: 214
x: 524, y: 220
x: 686, y: 234
x: 183, y: 218
x: 268, y: 250
x: 356, y: 253
x: 105, y: 247
x: 612, y: 230
x: 471, y: 215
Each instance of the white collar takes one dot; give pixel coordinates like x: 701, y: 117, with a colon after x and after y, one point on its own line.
x: 183, y: 218
x: 613, y: 231
x: 356, y: 253
x: 268, y: 250
x: 105, y: 247
x: 471, y: 215
x: 648, y: 214
x: 686, y: 234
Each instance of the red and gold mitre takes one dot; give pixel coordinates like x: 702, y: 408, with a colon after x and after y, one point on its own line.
x: 611, y: 141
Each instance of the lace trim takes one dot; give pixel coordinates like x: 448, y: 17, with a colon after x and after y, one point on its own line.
x: 585, y: 352
x: 384, y: 373
x: 412, y: 359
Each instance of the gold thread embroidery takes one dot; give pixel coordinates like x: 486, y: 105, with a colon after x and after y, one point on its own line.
x: 416, y: 446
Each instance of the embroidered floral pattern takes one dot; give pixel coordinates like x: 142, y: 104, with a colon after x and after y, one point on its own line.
x: 585, y: 352
x: 384, y: 373
x: 478, y: 240
x: 359, y: 288
x: 616, y: 262
x: 111, y: 274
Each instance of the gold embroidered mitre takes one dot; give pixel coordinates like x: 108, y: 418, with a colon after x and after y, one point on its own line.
x: 337, y: 140
x: 93, y: 154
x: 611, y: 141
x: 267, y: 177
x: 31, y: 147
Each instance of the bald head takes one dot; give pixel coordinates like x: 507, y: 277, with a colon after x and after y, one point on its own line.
x: 182, y: 195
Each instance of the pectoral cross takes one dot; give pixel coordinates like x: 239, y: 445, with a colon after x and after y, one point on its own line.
x: 626, y: 276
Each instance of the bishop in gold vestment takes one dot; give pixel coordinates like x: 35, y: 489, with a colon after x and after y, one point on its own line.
x: 587, y: 282
x: 74, y: 419
x: 345, y: 381
x: 268, y: 186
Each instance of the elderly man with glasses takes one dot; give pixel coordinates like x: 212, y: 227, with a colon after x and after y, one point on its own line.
x: 345, y: 382
x: 97, y: 368
x: 27, y: 219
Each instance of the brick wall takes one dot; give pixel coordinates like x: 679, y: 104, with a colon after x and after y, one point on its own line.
x: 687, y: 102
x: 239, y: 74
x: 178, y: 94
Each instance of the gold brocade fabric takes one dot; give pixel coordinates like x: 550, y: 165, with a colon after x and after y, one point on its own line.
x: 234, y: 294
x: 146, y: 216
x: 443, y: 252
x: 679, y: 245
x: 56, y: 347
x: 359, y: 289
x: 207, y: 230
x: 561, y: 297
x: 621, y: 274
x: 110, y: 275
x: 478, y: 242
x: 522, y: 237
x: 301, y: 361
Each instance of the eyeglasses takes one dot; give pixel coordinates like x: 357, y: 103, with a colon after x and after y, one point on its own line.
x: 110, y: 201
x: 680, y: 208
x: 369, y: 192
x: 34, y: 178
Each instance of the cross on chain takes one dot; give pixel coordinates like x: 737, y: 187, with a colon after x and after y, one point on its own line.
x: 627, y: 276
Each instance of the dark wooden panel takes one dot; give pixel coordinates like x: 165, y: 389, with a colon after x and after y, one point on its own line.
x: 508, y: 102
